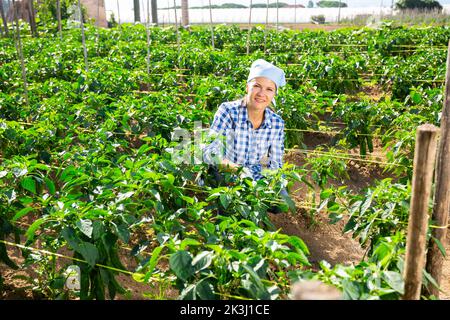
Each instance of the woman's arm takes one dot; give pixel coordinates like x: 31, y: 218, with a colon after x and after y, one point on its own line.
x: 276, y: 151
x: 213, y: 153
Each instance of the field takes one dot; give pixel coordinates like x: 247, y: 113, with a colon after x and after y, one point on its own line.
x: 87, y: 176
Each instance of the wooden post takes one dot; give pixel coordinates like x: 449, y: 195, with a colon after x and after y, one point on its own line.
x: 277, y: 13
x: 20, y: 53
x: 176, y: 25
x: 97, y: 30
x: 424, y: 157
x: 339, y: 12
x: 295, y: 12
x: 147, y: 28
x: 58, y: 16
x: 249, y: 27
x: 441, y: 206
x: 267, y: 25
x: 211, y: 23
x: 32, y: 20
x: 5, y: 24
x: 137, y: 11
x: 184, y: 13
x: 83, y: 38
x: 154, y: 12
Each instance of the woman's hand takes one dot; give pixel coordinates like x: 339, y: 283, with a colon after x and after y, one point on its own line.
x: 229, y: 166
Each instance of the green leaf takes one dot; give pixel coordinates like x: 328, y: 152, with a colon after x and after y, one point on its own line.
x: 325, y: 194
x: 350, y: 290
x: 188, y: 242
x: 202, y: 260
x: 97, y: 229
x: 181, y: 264
x: 85, y: 226
x: 68, y: 173
x: 29, y: 184
x: 188, y: 199
x: 69, y: 235
x: 440, y: 246
x: 89, y: 252
x: 261, y: 292
x: 298, y: 256
x: 50, y: 185
x: 430, y: 279
x: 122, y: 232
x: 394, y: 280
x: 205, y: 290
x: 416, y: 97
x: 153, y: 262
x: 349, y: 225
x: 298, y: 243
x: 22, y: 213
x: 289, y: 202
x: 33, y: 228
x: 225, y: 200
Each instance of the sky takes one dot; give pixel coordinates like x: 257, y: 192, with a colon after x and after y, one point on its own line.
x: 192, y: 3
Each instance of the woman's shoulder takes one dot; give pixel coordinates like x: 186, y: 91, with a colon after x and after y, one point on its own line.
x: 231, y: 107
x: 275, y: 118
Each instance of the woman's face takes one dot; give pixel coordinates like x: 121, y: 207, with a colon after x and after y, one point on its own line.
x: 260, y: 92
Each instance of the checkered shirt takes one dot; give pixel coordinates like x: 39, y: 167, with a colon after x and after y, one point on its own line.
x: 237, y: 141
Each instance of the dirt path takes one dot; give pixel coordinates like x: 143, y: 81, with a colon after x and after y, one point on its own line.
x: 325, y: 241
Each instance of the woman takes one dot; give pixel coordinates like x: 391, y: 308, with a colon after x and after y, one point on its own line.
x: 250, y: 134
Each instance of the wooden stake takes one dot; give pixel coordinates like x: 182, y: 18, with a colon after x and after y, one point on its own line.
x: 249, y: 27
x: 176, y: 25
x: 20, y: 53
x: 154, y: 12
x: 83, y: 38
x: 267, y: 25
x: 33, y: 20
x: 97, y: 30
x: 441, y: 206
x: 211, y: 24
x: 58, y: 16
x: 147, y: 28
x: 424, y: 157
x: 277, y: 14
x: 295, y: 12
x: 137, y: 11
x: 5, y: 24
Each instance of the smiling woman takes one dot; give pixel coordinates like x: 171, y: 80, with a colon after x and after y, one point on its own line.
x: 249, y: 134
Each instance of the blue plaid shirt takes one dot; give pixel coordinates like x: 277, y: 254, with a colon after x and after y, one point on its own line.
x: 237, y: 141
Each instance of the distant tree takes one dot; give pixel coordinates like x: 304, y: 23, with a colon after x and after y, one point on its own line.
x: 331, y: 4
x: 233, y: 6
x: 310, y: 4
x: 46, y: 9
x: 319, y: 19
x: 423, y: 5
x: 259, y: 5
x: 280, y: 5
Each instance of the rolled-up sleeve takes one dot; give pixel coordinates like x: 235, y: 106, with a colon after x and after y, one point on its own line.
x: 276, y: 150
x: 214, y: 152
